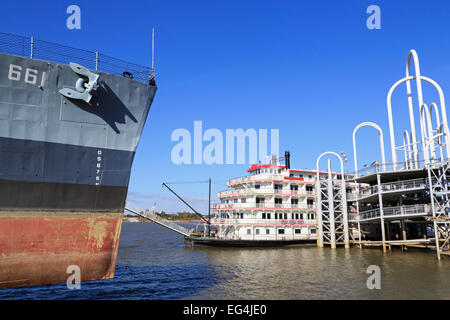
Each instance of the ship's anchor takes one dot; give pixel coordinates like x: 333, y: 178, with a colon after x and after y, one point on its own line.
x: 83, y: 88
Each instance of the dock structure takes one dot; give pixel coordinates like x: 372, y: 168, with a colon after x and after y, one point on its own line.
x: 405, y: 203
x: 332, y: 207
x: 157, y: 219
x: 395, y: 204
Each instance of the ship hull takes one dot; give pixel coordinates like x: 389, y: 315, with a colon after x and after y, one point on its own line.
x: 37, y: 248
x: 65, y: 166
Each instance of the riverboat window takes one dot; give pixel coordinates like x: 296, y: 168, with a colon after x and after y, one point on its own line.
x: 257, y: 186
x: 263, y: 215
x: 242, y: 215
x: 267, y: 231
x: 235, y: 200
x: 301, y: 216
x: 243, y: 200
x: 280, y: 231
x: 276, y: 215
x: 294, y: 201
x: 294, y: 187
x: 268, y: 215
x: 257, y: 231
x: 278, y: 186
x: 309, y: 201
x: 278, y: 200
x: 285, y: 216
x: 249, y: 231
x: 309, y: 188
x: 313, y: 231
x: 296, y: 216
x: 297, y: 231
x: 310, y: 176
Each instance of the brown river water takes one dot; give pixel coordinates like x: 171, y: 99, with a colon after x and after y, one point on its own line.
x: 155, y: 263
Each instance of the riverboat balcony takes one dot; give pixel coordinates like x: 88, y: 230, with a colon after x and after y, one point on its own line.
x: 270, y: 178
x: 263, y: 222
x: 265, y: 191
x: 270, y: 206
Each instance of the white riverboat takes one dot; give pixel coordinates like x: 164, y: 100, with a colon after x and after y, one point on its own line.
x: 273, y: 205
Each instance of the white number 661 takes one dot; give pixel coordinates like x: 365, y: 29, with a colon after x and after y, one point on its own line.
x: 15, y: 74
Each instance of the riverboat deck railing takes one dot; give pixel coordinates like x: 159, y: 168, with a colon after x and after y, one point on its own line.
x: 262, y: 222
x: 249, y: 205
x: 33, y: 48
x: 265, y: 191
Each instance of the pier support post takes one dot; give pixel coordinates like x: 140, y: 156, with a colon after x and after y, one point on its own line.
x: 359, y: 234
x: 380, y: 200
x: 403, y: 229
x: 318, y: 212
x: 331, y: 207
x: 424, y: 230
x: 388, y: 234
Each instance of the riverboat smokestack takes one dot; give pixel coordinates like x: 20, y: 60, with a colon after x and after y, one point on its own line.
x: 287, y: 159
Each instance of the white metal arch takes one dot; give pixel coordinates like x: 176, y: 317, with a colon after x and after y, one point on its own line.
x: 443, y: 128
x: 407, y: 148
x: 391, y: 123
x: 377, y: 127
x: 333, y: 153
x: 413, y: 54
x: 434, y: 107
x: 426, y: 128
x: 344, y: 204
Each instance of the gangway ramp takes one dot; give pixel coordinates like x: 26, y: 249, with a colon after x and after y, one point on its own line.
x: 157, y: 219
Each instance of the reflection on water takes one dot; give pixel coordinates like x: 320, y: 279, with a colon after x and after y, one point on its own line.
x: 155, y: 263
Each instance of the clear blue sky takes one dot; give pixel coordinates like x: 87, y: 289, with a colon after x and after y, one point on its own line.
x: 308, y: 68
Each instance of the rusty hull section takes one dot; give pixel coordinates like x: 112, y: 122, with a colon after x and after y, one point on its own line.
x: 36, y: 247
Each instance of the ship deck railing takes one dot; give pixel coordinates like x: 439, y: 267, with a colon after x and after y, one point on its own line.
x: 33, y: 48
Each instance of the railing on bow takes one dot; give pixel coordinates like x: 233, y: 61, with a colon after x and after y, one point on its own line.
x: 33, y: 48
